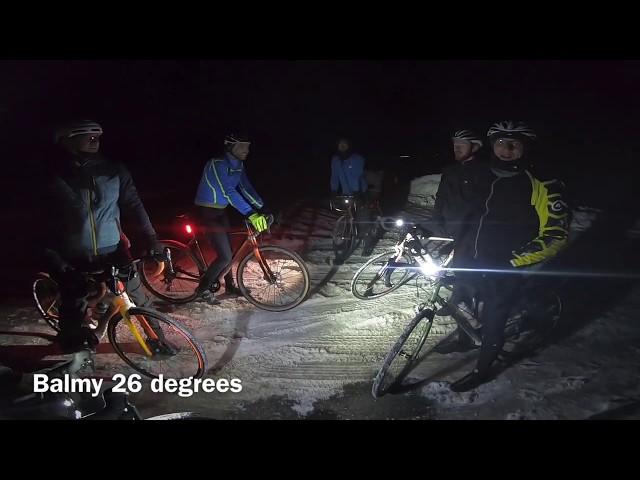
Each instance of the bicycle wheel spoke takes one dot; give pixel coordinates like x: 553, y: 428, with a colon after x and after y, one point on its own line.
x: 376, y: 277
x: 287, y: 284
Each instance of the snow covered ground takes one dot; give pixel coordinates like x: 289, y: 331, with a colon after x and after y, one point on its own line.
x: 318, y: 360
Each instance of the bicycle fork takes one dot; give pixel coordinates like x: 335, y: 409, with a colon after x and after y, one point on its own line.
x: 124, y: 305
x: 269, y: 276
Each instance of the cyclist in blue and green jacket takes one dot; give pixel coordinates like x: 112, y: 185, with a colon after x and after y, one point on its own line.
x: 224, y: 182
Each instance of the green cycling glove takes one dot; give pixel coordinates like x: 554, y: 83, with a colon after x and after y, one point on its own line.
x: 259, y: 222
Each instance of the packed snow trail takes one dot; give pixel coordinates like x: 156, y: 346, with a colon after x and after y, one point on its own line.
x: 318, y: 360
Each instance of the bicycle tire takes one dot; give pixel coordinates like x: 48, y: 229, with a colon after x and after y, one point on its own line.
x: 151, y: 274
x: 248, y: 290
x: 197, y: 370
x: 383, y: 381
x: 344, y: 237
x: 407, y: 276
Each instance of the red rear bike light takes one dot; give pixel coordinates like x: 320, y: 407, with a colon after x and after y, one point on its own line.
x: 188, y: 229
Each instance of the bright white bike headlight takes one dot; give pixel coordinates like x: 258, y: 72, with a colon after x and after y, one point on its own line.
x: 399, y: 223
x: 429, y: 268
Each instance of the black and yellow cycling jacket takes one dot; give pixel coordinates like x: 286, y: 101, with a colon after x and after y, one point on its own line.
x: 523, y: 219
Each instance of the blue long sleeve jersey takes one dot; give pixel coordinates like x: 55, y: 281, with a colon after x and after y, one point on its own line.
x: 224, y: 182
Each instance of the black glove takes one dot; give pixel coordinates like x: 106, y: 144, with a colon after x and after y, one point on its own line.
x: 73, y: 281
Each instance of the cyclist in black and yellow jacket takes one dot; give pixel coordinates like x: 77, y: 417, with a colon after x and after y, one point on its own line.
x: 522, y: 220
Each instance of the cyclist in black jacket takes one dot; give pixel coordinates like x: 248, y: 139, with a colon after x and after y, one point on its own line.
x: 453, y: 214
x: 455, y: 191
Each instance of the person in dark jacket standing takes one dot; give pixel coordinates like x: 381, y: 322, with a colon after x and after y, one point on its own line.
x: 455, y: 191
x: 85, y: 196
x: 454, y: 213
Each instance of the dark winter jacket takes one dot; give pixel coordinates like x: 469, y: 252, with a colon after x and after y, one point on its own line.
x: 457, y: 192
x: 523, y: 218
x: 84, y: 200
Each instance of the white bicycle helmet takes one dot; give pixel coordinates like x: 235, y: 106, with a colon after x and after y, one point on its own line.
x: 80, y: 127
x: 468, y: 135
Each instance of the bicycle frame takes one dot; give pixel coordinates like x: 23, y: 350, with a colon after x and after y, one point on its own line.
x: 250, y: 242
x: 435, y: 301
x: 427, y: 266
x: 119, y: 303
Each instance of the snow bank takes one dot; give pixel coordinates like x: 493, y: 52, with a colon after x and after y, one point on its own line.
x: 422, y: 192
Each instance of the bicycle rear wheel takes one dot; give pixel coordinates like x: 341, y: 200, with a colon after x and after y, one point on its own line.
x: 288, y: 285
x: 179, y: 287
x: 405, y: 351
x: 47, y: 298
x: 174, y: 351
x: 377, y: 278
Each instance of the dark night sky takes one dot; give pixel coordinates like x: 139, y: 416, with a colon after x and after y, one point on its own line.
x: 165, y: 118
x: 386, y: 104
x: 160, y: 109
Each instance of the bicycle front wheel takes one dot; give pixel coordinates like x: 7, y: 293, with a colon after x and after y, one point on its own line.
x: 381, y: 275
x: 177, y: 287
x: 405, y: 351
x: 154, y: 344
x: 276, y: 279
x: 345, y: 237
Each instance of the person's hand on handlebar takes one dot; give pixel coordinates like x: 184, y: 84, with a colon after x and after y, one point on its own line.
x: 259, y: 221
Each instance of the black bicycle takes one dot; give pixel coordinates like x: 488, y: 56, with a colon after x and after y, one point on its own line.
x: 405, y: 352
x: 346, y: 232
